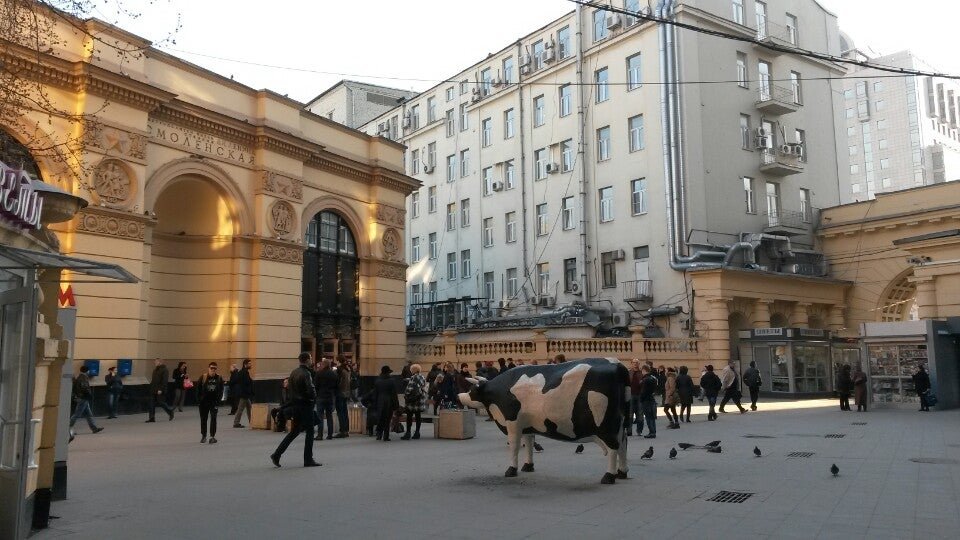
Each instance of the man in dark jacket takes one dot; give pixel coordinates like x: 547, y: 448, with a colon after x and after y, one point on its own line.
x: 634, y: 412
x: 711, y: 386
x: 648, y: 401
x: 326, y: 383
x: 244, y: 390
x: 232, y: 388
x: 751, y: 378
x: 340, y: 398
x: 731, y: 388
x: 209, y: 392
x: 82, y: 396
x: 301, y: 396
x: 386, y: 402
x: 158, y: 387
x: 921, y: 383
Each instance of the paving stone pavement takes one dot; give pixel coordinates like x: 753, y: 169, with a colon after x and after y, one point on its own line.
x: 145, y: 481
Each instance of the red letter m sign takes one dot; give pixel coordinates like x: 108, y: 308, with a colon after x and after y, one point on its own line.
x: 66, y: 297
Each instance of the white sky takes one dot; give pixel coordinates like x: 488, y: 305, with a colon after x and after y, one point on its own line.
x: 434, y: 39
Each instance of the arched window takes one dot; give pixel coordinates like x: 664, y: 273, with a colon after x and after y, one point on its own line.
x: 331, y: 276
x: 17, y: 155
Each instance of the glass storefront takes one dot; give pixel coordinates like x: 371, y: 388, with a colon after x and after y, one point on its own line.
x: 796, y: 360
x: 811, y: 368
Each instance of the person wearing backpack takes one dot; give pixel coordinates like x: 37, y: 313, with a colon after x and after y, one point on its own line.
x: 81, y: 396
x: 751, y: 378
x: 114, y: 389
x: 415, y: 400
x: 209, y: 392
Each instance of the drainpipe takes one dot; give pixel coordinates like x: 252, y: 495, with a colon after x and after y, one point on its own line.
x: 581, y: 158
x: 672, y: 158
x: 523, y: 167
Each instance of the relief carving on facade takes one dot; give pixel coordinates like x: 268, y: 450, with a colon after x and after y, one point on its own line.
x: 282, y: 218
x: 286, y: 254
x: 114, y: 183
x: 392, y: 271
x: 391, y: 215
x: 113, y: 141
x: 391, y: 245
x: 108, y: 225
x: 281, y: 186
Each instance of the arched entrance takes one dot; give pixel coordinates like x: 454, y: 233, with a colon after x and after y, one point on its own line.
x: 899, y: 301
x: 331, y: 287
x: 193, y: 302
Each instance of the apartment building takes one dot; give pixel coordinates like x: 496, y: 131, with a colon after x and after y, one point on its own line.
x: 583, y: 172
x: 902, y: 132
x: 354, y: 103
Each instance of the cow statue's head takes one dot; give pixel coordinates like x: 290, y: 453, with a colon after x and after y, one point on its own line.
x: 475, y: 398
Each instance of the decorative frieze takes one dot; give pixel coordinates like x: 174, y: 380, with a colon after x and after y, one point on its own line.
x: 282, y: 218
x: 390, y: 270
x: 391, y: 215
x: 281, y: 186
x: 110, y: 224
x: 114, y: 141
x: 285, y: 253
x: 114, y: 183
x: 392, y: 243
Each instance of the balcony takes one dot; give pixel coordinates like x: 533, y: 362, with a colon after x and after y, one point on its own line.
x: 640, y: 290
x: 777, y: 162
x: 770, y: 33
x: 789, y: 222
x: 776, y: 100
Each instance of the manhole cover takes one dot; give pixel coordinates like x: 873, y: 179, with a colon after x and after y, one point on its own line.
x: 835, y: 435
x: 800, y: 454
x: 730, y: 497
x: 935, y: 461
x: 759, y: 437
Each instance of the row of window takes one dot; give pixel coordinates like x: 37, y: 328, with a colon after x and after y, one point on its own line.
x: 790, y: 32
x: 542, y: 162
x: 765, y: 84
x: 568, y: 217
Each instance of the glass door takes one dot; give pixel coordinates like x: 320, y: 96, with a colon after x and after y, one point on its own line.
x: 16, y: 380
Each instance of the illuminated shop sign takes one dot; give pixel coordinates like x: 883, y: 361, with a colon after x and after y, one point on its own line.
x: 20, y: 203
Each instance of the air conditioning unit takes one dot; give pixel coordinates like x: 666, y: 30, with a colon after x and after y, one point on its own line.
x: 552, y: 168
x: 619, y: 255
x: 497, y: 186
x: 786, y: 149
x: 428, y: 169
x: 526, y: 69
x: 576, y: 288
x: 549, y: 55
x: 525, y: 60
x: 621, y: 319
x: 760, y: 132
x: 798, y: 150
x: 761, y: 143
x: 547, y: 301
x: 614, y: 20
x: 406, y: 121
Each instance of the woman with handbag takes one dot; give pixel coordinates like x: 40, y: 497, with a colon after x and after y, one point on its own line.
x: 180, y: 384
x: 415, y: 400
x: 671, y: 398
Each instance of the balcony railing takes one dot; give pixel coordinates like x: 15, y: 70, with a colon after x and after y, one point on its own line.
x: 778, y: 100
x: 789, y: 222
x: 775, y: 34
x: 779, y: 163
x: 640, y: 290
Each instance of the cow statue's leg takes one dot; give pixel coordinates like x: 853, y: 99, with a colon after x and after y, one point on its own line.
x: 611, y: 475
x: 622, y: 467
x: 528, y: 446
x: 513, y: 440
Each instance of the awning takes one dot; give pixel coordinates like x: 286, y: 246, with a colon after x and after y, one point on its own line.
x: 37, y: 260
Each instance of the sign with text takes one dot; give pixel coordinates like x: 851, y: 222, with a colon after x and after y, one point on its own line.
x: 20, y: 203
x: 194, y: 141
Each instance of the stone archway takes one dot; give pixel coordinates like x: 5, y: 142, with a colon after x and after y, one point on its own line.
x: 187, y: 168
x: 194, y: 302
x: 898, y: 301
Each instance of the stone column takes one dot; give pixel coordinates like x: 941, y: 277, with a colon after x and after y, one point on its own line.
x: 718, y: 329
x: 540, y: 344
x: 926, y: 297
x: 636, y: 336
x: 450, y: 346
x: 800, y: 318
x: 761, y: 313
x: 836, y: 321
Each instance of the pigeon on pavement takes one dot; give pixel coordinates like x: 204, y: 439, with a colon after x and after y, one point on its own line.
x: 673, y: 453
x: 756, y: 451
x: 715, y: 449
x: 648, y: 454
x: 537, y: 447
x: 834, y: 469
x: 579, y: 449
x: 685, y: 445
x: 713, y: 443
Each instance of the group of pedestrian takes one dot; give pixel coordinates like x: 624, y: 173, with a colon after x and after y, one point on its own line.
x: 333, y: 380
x: 855, y: 384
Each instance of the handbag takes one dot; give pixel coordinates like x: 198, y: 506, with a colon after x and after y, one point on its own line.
x: 931, y: 398
x: 187, y: 383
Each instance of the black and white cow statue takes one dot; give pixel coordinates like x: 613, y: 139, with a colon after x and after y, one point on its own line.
x: 577, y: 401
